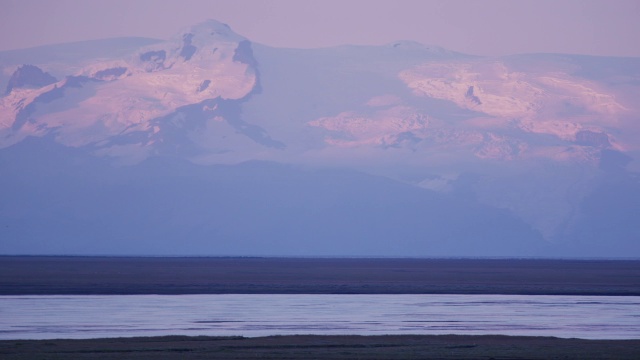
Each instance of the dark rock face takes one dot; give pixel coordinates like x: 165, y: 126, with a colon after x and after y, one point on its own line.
x: 154, y: 59
x: 29, y: 76
x: 592, y: 138
x: 76, y: 81
x: 469, y: 95
x: 109, y: 74
x: 204, y: 85
x: 244, y: 54
x: 187, y: 49
x: 154, y: 56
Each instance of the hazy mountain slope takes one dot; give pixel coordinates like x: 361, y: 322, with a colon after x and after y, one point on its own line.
x: 72, y: 204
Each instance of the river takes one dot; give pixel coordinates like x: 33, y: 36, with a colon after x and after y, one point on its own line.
x: 86, y: 316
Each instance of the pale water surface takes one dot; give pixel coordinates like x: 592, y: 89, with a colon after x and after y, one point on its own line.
x: 47, y: 317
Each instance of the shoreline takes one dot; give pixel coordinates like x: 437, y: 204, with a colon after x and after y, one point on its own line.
x: 53, y: 275
x: 325, y: 347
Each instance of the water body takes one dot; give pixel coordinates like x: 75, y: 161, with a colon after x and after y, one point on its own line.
x: 81, y: 316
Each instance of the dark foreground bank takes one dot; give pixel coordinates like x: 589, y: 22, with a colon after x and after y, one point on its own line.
x: 130, y: 275
x: 324, y: 347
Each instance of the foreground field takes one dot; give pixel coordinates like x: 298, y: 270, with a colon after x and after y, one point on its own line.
x: 324, y: 347
x: 113, y: 275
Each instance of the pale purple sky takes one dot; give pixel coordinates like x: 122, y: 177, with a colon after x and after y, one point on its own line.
x: 491, y: 27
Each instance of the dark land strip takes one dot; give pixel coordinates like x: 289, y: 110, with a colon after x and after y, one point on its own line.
x: 26, y: 275
x: 323, y: 347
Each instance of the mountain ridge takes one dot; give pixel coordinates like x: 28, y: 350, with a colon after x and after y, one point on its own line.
x: 530, y: 135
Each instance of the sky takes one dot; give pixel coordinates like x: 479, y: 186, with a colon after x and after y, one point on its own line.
x: 490, y: 27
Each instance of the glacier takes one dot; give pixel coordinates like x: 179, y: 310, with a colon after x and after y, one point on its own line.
x: 210, y: 144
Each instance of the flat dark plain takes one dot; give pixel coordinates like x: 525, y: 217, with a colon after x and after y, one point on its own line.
x: 24, y: 275
x: 323, y: 347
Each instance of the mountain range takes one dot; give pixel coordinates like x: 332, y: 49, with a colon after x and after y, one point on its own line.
x: 210, y: 144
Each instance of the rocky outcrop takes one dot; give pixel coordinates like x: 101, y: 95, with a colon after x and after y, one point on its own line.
x: 187, y: 48
x: 110, y: 74
x: 154, y: 60
x: 471, y: 97
x: 29, y: 76
x: 244, y: 54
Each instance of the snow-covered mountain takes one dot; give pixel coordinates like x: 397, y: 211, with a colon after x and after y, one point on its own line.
x: 528, y: 155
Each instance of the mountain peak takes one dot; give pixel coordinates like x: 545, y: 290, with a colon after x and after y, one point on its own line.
x: 29, y: 76
x: 209, y: 29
